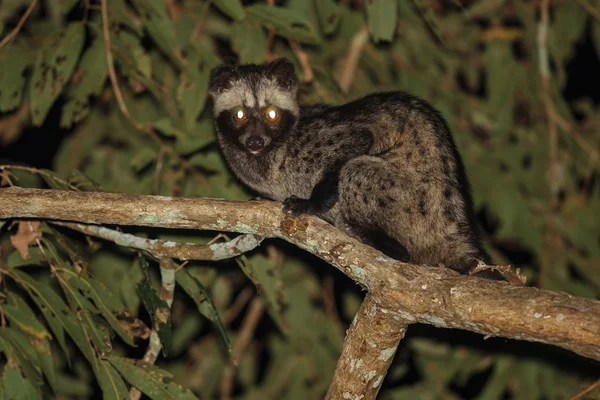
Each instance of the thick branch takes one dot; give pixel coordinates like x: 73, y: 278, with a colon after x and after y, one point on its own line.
x: 413, y: 293
x: 369, y: 348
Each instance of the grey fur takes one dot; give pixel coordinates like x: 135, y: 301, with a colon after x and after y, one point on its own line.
x: 397, y: 180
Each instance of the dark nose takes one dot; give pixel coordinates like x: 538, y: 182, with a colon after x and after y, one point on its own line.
x: 255, y: 143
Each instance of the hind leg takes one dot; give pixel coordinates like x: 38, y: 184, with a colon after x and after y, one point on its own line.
x: 377, y: 238
x: 369, y: 204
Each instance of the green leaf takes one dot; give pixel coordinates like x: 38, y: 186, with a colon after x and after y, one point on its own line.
x: 159, y: 310
x: 158, y: 25
x: 249, y: 40
x: 85, y: 316
x: 83, y: 182
x: 211, y: 161
x: 110, y: 382
x: 18, y: 351
x: 53, y: 68
x: 35, y: 350
x: 150, y: 379
x: 132, y: 56
x: 89, y: 79
x: 196, y: 290
x: 192, y: 90
x: 284, y: 22
x: 233, y: 8
x: 16, y: 387
x: 36, y: 257
x: 120, y: 14
x: 57, y: 314
x: 381, y: 17
x: 143, y: 157
x: 18, y: 313
x: 329, y: 14
x: 14, y: 60
x: 267, y: 278
x: 106, y: 303
x: 201, y: 137
x: 49, y: 303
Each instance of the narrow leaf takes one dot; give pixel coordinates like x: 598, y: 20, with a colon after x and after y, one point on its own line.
x: 110, y: 382
x: 14, y: 60
x: 249, y: 40
x: 159, y: 310
x: 233, y: 8
x: 157, y: 23
x: 196, y: 290
x: 15, y: 260
x: 16, y: 387
x: 53, y: 68
x: 150, y: 379
x: 106, y: 302
x: 88, y: 81
x: 285, y: 22
x: 381, y: 17
x: 329, y: 14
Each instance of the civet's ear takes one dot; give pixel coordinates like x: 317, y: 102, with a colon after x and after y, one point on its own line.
x: 283, y: 70
x: 220, y: 78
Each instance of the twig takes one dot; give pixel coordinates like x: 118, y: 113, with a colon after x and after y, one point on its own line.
x: 198, y: 26
x: 38, y: 172
x: 588, y: 7
x: 589, y: 389
x: 419, y: 294
x: 167, y: 274
x: 12, y: 34
x: 246, y: 332
x: 238, y: 305
x: 350, y: 61
x: 554, y: 169
x: 154, y: 347
x: 157, y: 171
x: 163, y: 248
x: 542, y: 40
x: 369, y: 348
x: 309, y: 76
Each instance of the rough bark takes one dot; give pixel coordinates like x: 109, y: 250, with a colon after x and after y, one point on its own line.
x: 369, y: 348
x: 412, y: 293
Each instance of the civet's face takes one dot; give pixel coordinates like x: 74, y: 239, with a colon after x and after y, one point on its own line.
x: 254, y: 105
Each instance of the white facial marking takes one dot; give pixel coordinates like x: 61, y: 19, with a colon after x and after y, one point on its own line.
x: 269, y: 93
x: 240, y: 94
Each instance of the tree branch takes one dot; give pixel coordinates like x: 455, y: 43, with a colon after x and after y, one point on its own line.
x: 369, y: 349
x: 170, y: 249
x: 435, y: 296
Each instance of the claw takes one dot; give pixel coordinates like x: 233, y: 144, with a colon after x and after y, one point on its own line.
x: 295, y: 206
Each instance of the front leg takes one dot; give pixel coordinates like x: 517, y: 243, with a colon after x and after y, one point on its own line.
x: 322, y: 199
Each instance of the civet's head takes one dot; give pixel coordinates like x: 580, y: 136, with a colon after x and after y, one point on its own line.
x: 254, y: 105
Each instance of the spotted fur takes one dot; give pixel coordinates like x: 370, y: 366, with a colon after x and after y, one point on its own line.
x: 384, y: 168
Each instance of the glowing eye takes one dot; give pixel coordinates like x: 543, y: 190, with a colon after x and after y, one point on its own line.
x: 239, y: 114
x: 272, y: 114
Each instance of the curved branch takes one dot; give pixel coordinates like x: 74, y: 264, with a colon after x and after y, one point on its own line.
x: 435, y: 296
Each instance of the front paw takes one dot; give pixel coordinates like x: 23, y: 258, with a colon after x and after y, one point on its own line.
x: 295, y: 206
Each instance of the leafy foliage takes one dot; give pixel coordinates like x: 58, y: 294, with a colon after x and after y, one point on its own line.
x: 77, y: 311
